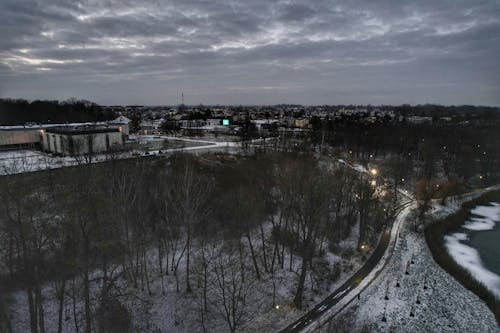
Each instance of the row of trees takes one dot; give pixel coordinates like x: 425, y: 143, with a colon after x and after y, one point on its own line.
x: 20, y: 111
x: 107, y: 236
x: 446, y: 151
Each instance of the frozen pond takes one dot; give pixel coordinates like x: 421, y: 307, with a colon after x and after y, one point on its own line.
x: 476, y: 245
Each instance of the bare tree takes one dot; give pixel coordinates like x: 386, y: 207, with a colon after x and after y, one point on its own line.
x: 228, y: 292
x: 27, y: 224
x: 310, y: 195
x: 189, y: 195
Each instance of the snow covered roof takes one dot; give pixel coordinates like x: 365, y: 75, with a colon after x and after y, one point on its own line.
x: 120, y: 120
x: 78, y: 130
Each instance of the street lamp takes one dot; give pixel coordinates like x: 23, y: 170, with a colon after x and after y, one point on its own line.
x: 374, y: 172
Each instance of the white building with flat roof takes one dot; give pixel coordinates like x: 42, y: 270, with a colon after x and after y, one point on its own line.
x: 80, y: 140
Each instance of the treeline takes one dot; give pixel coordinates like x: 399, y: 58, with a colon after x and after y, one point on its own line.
x: 105, y: 233
x: 450, y: 151
x: 20, y: 111
x: 460, y: 112
x: 467, y: 112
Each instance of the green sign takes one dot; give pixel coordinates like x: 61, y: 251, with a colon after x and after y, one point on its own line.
x: 225, y: 122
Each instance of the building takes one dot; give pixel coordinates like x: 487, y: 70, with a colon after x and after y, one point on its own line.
x: 122, y: 123
x: 264, y: 124
x: 31, y: 136
x: 17, y: 137
x: 80, y: 140
x: 419, y: 120
x: 301, y: 123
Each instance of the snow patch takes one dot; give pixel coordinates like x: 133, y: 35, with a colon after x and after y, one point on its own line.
x: 360, y: 168
x: 468, y: 257
x: 485, y: 217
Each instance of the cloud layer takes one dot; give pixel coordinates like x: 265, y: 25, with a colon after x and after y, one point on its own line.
x: 252, y: 52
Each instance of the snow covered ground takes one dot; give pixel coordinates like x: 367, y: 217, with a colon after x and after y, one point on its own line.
x: 179, y: 311
x: 426, y: 300
x: 275, y: 319
x: 21, y: 161
x: 483, y: 218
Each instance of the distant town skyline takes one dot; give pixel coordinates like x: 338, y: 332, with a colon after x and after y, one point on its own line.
x: 251, y: 52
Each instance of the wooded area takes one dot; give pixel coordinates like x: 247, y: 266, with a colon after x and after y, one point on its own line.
x: 100, y: 234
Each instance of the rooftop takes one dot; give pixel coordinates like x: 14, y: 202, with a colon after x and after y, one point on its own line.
x: 87, y: 129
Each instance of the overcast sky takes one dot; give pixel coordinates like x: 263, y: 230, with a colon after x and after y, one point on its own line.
x: 252, y: 51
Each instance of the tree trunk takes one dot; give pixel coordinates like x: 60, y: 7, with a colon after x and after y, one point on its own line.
x: 300, y: 288
x: 188, y: 245
x: 60, y: 295
x: 264, y: 252
x: 86, y: 292
x: 32, y: 310
x: 242, y: 263
x: 39, y: 303
x: 75, y: 317
x: 254, y: 259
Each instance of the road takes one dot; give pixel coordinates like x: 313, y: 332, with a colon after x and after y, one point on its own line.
x: 353, y: 282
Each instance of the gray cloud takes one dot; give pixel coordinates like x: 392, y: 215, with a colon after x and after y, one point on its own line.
x: 252, y: 52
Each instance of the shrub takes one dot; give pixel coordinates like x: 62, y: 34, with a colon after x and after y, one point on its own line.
x: 115, y: 317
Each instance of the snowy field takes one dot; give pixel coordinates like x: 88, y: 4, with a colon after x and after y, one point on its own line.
x: 22, y: 161
x: 426, y: 299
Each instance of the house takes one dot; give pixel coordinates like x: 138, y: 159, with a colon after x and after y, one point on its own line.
x: 122, y: 122
x: 419, y: 120
x: 264, y: 124
x: 301, y: 123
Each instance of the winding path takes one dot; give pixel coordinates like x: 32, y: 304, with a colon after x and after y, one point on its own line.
x: 352, y: 288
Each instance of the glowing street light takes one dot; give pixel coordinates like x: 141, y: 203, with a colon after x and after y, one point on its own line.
x: 374, y: 172
x: 277, y: 307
